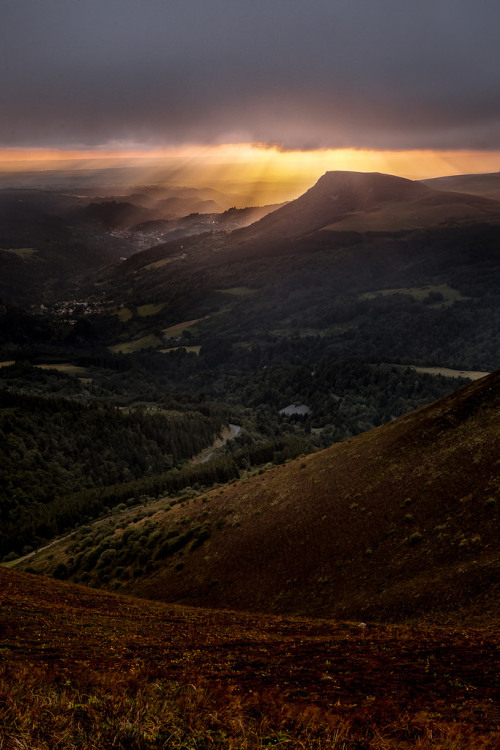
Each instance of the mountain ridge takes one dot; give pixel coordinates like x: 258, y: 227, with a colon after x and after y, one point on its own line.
x: 338, y: 195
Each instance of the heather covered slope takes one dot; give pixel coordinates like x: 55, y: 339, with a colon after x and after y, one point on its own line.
x: 398, y: 522
x: 91, y: 670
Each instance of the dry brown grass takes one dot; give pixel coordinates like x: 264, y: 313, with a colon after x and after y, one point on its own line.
x: 43, y: 708
x: 84, y: 669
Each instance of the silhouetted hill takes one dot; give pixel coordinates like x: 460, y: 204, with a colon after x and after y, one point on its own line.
x: 379, y: 267
x: 196, y: 223
x: 380, y: 219
x: 46, y: 240
x: 114, y: 214
x: 333, y: 196
x: 357, y: 201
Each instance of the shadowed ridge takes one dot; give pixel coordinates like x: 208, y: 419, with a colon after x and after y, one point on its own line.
x: 370, y: 201
x: 368, y: 187
x: 335, y: 194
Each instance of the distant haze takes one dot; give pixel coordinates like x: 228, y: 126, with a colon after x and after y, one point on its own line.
x: 247, y: 174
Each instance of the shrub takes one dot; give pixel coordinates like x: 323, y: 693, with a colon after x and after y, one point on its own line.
x: 415, y: 538
x: 60, y: 571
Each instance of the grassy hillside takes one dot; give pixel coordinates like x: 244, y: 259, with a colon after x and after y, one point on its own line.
x: 397, y: 523
x: 486, y: 185
x: 90, y: 670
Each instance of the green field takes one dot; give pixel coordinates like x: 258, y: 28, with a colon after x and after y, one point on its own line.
x: 124, y: 314
x: 447, y: 373
x: 66, y: 367
x: 159, y: 263
x: 420, y: 293
x: 238, y: 291
x: 127, y: 347
x: 145, y: 311
x: 178, y: 329
x: 195, y: 349
x: 21, y: 252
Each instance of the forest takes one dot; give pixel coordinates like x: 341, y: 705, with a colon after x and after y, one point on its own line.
x: 52, y: 448
x: 128, y: 434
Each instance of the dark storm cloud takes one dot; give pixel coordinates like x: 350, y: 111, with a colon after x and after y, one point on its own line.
x: 364, y: 73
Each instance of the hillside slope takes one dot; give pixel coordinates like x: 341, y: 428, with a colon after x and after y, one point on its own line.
x: 349, y: 234
x: 487, y: 185
x: 399, y: 522
x: 358, y: 201
x: 86, y: 669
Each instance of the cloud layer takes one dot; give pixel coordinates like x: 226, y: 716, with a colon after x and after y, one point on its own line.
x: 378, y: 74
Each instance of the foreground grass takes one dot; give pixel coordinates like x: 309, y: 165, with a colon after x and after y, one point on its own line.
x: 85, y: 669
x: 45, y: 708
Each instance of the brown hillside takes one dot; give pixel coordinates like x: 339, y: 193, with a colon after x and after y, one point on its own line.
x: 87, y: 669
x: 398, y: 522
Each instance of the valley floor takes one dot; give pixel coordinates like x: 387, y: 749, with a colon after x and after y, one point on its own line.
x: 82, y: 668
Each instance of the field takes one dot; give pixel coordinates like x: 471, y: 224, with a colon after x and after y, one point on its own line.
x: 21, y: 252
x: 238, y: 291
x: 397, y: 216
x: 65, y: 367
x: 86, y: 669
x: 194, y: 349
x: 145, y: 342
x: 124, y: 314
x: 145, y: 311
x: 178, y: 329
x: 160, y: 263
x: 447, y: 373
x: 449, y: 295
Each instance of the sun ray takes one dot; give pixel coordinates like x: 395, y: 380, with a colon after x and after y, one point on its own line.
x: 254, y: 173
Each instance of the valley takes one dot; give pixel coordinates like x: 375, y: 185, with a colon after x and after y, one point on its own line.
x: 249, y: 466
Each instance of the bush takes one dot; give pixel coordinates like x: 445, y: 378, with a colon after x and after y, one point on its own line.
x: 60, y: 571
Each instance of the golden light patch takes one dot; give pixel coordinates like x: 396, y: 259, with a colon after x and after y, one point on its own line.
x: 254, y: 173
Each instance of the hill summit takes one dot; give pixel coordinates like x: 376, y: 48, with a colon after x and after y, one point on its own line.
x: 334, y: 195
x: 372, y: 201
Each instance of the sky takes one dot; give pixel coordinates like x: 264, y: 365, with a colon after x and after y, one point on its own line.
x: 368, y: 83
